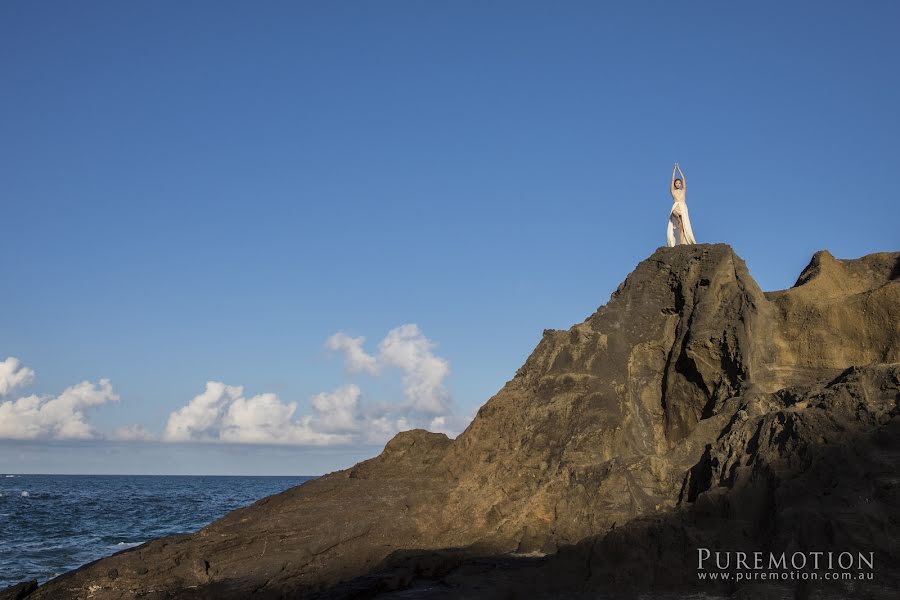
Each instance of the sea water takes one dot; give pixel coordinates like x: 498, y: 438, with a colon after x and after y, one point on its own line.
x: 50, y: 524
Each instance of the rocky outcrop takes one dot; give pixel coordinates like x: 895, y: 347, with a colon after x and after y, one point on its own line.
x: 839, y: 313
x: 691, y: 410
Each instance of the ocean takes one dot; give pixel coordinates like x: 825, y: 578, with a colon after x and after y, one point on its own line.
x: 50, y: 524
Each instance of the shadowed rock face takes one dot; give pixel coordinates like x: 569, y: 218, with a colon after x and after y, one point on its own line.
x: 692, y: 409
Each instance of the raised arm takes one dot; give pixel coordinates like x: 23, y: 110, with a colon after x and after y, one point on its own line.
x: 672, y: 184
x: 681, y: 174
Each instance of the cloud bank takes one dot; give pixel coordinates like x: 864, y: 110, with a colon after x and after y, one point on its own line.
x: 59, y: 417
x: 224, y: 413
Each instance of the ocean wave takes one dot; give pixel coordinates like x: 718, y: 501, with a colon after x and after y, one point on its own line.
x: 25, y: 494
x: 10, y: 475
x: 65, y: 522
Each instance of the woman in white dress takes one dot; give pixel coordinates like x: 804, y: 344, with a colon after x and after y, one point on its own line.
x: 678, y: 216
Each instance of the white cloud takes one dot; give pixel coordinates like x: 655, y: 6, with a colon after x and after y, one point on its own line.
x: 264, y: 419
x: 199, y: 419
x: 338, y: 411
x: 13, y: 375
x: 221, y: 413
x: 56, y: 417
x: 427, y: 403
x: 408, y: 349
x: 133, y: 433
x: 357, y: 359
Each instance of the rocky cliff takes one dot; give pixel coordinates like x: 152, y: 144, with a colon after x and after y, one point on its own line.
x: 692, y: 410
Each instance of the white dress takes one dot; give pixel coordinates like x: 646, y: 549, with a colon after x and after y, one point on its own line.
x: 678, y: 219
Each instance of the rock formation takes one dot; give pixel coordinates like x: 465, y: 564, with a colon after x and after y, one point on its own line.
x: 692, y: 410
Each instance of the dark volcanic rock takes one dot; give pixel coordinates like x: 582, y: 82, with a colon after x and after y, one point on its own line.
x: 692, y: 410
x: 19, y: 591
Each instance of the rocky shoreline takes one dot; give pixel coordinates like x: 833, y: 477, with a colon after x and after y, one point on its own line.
x: 691, y: 411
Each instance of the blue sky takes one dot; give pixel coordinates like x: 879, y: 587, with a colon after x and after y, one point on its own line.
x: 207, y: 192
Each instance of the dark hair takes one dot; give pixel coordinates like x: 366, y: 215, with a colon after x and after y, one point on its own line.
x: 679, y: 179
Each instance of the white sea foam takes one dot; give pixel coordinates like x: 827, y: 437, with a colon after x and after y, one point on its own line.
x: 10, y: 475
x: 25, y: 494
x: 127, y: 544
